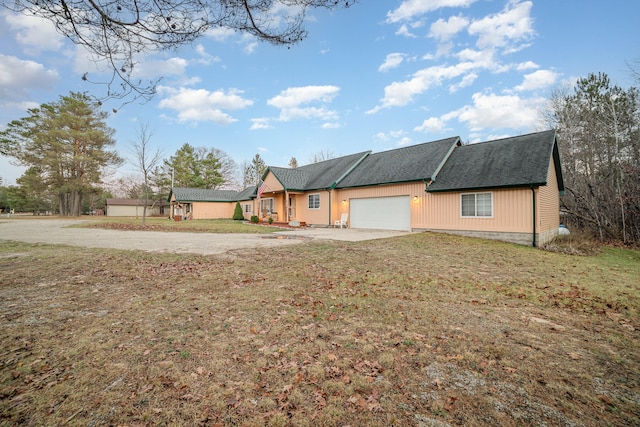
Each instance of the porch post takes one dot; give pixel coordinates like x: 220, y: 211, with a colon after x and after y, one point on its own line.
x: 286, y: 205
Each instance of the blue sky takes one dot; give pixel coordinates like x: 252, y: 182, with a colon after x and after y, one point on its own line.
x: 376, y: 76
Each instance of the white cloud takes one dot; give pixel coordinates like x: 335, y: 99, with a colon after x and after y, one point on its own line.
x: 331, y: 125
x: 220, y: 34
x: 409, y: 9
x: 537, y: 79
x: 491, y: 111
x: 205, y: 57
x: 527, y: 65
x: 445, y: 30
x: 292, y: 102
x: 261, y: 123
x: 195, y: 105
x: 35, y: 34
x: 153, y: 69
x: 403, y: 30
x: 501, y: 30
x: 392, y: 61
x: 402, y: 93
x: 466, y: 81
x: 18, y: 76
x: 432, y: 125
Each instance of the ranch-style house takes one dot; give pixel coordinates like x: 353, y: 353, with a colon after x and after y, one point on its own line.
x: 507, y: 189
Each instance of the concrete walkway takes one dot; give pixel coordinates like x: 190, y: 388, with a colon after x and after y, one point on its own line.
x: 56, y: 231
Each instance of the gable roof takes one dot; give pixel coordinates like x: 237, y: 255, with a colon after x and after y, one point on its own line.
x: 414, y: 163
x: 203, y: 195
x: 131, y: 202
x: 519, y: 161
x: 317, y: 176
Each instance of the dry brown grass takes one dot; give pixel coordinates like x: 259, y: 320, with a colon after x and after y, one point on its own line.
x: 426, y: 330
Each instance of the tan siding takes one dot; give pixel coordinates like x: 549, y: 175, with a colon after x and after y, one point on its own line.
x: 549, y: 202
x: 213, y: 210
x: 418, y: 207
x: 272, y: 183
x: 512, y: 212
x: 314, y: 216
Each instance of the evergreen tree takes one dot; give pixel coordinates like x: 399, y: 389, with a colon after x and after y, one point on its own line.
x: 69, y: 143
x: 237, y: 213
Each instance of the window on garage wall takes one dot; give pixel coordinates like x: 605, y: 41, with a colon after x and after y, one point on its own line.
x: 476, y: 205
x: 314, y: 201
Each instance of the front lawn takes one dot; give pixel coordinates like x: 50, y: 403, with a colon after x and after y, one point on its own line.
x: 191, y: 226
x: 425, y: 330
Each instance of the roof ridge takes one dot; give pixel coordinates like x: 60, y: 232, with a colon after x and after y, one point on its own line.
x: 414, y: 145
x: 510, y: 137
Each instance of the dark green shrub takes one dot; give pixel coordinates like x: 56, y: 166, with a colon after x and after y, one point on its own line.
x: 270, y: 220
x: 255, y: 219
x: 237, y: 213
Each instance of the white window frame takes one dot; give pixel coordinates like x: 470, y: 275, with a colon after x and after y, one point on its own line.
x: 247, y: 208
x: 316, y: 197
x: 475, y: 205
x: 263, y: 206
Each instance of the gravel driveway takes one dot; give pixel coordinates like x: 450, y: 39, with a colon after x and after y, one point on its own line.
x: 57, y: 231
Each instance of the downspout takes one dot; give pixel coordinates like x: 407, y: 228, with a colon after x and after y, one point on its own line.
x: 533, y: 198
x: 329, y: 223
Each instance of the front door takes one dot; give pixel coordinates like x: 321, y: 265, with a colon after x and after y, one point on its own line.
x: 292, y: 208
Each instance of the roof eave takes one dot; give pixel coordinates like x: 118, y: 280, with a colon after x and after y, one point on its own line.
x: 489, y: 187
x: 417, y: 180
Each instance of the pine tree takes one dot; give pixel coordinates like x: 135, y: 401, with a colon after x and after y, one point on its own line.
x: 69, y: 143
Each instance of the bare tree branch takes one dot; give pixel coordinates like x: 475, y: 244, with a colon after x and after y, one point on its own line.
x: 115, y: 32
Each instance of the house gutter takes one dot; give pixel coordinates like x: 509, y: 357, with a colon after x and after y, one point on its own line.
x: 329, y: 191
x: 533, y: 198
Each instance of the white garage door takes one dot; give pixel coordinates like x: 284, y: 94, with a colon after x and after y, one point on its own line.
x: 381, y: 213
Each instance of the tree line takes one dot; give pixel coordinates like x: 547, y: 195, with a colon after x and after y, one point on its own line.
x: 69, y: 153
x: 598, y: 128
x: 68, y: 150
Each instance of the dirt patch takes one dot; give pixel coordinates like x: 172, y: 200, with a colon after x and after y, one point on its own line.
x: 424, y: 329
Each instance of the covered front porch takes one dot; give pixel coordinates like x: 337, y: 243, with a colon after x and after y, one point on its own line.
x: 281, y: 206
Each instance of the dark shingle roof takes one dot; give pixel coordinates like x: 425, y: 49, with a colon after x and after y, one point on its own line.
x: 519, y: 161
x: 247, y: 193
x: 132, y: 202
x: 413, y: 163
x: 204, y: 195
x: 319, y: 175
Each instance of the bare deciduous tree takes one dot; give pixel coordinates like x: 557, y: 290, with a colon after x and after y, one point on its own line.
x: 117, y: 31
x: 145, y: 160
x: 598, y: 127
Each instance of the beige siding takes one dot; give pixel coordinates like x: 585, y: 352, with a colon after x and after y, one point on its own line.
x: 512, y: 212
x: 137, y: 211
x: 341, y: 199
x: 212, y: 210
x: 314, y: 216
x: 549, y: 203
x: 272, y: 183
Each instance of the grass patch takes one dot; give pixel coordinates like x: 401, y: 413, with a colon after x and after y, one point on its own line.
x: 417, y: 330
x: 191, y: 226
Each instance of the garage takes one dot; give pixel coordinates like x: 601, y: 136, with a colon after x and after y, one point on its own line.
x: 381, y: 213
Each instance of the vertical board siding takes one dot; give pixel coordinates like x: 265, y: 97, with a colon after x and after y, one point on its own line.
x: 549, y: 202
x: 272, y: 183
x: 209, y: 210
x: 512, y: 212
x: 315, y: 216
x: 418, y: 207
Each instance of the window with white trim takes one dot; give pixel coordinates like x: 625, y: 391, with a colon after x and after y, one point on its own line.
x: 247, y: 208
x: 266, y: 206
x: 314, y: 201
x: 476, y: 205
